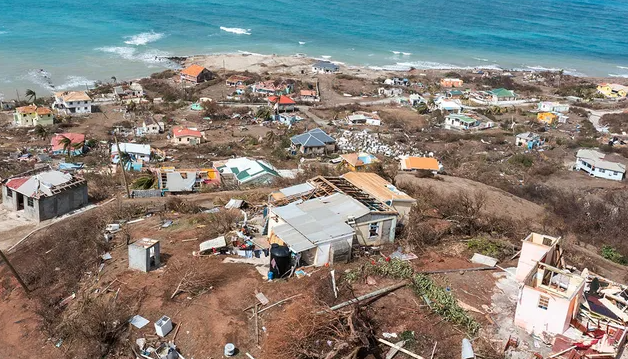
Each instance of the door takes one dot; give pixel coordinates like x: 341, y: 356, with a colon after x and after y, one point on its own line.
x: 20, y: 201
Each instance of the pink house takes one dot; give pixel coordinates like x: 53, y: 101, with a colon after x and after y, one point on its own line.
x: 550, y: 296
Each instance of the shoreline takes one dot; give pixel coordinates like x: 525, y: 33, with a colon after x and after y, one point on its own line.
x: 276, y: 64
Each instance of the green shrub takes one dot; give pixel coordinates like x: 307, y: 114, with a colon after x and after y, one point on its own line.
x: 613, y: 255
x: 522, y: 159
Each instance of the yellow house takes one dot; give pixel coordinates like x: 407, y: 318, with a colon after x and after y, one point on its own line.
x: 32, y: 115
x: 547, y: 117
x: 613, y: 90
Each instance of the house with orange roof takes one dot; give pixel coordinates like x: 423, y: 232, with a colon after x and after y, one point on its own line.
x: 281, y: 103
x: 195, y: 74
x: 186, y: 136
x: 451, y: 82
x: 72, y: 102
x: 309, y: 96
x: 27, y: 116
x: 412, y: 163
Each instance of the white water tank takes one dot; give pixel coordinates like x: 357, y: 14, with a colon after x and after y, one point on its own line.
x: 163, y: 326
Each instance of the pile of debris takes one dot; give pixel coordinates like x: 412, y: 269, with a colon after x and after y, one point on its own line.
x: 363, y: 141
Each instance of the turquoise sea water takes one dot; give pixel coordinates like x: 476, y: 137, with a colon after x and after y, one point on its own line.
x: 78, y: 41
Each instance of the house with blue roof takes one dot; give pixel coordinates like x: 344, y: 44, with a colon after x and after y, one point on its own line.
x: 314, y: 141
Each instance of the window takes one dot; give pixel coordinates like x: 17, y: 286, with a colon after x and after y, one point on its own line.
x: 543, y: 302
x: 601, y: 170
x: 179, y: 139
x: 9, y: 193
x: 29, y: 201
x: 374, y: 230
x: 615, y: 173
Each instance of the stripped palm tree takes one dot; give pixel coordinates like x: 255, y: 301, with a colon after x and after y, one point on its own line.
x: 41, y: 132
x: 78, y: 146
x: 30, y: 94
x: 67, y: 145
x: 125, y: 159
x: 270, y: 137
x: 145, y: 182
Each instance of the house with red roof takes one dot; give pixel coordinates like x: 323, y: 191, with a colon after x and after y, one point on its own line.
x: 44, y: 194
x: 60, y: 145
x: 186, y: 136
x: 281, y: 103
x: 196, y: 74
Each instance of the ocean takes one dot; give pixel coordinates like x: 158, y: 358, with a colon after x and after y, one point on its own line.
x: 68, y: 44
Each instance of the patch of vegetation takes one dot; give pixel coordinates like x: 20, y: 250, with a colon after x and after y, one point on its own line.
x: 489, y: 247
x: 613, y: 255
x: 616, y: 122
x: 441, y: 301
x: 522, y: 159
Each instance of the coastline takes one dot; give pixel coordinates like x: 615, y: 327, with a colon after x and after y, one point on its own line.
x: 242, y: 61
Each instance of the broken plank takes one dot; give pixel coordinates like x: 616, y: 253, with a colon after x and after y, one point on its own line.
x: 416, y: 356
x: 279, y: 302
x: 367, y: 296
x: 393, y: 351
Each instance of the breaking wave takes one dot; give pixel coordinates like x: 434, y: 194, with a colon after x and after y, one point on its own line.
x: 151, y: 57
x: 143, y: 38
x: 236, y: 30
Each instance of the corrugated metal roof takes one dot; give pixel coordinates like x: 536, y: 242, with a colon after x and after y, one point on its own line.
x: 318, y: 220
x: 296, y: 189
x: 295, y: 240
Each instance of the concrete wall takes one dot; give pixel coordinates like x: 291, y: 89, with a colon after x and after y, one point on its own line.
x: 531, y: 253
x: 57, y: 205
x: 553, y: 320
x: 386, y: 233
x: 9, y: 202
x: 403, y: 207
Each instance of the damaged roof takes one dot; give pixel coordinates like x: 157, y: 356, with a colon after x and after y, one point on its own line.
x: 43, y: 184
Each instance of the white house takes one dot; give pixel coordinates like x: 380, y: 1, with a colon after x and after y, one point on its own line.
x: 137, y: 152
x: 549, y: 106
x: 395, y: 81
x: 460, y: 121
x: 364, y: 118
x: 73, y: 102
x: 593, y: 162
x: 150, y: 127
x: 325, y: 67
x: 390, y: 92
x: 446, y: 105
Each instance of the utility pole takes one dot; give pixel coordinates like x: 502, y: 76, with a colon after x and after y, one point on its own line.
x: 126, y: 185
x: 15, y: 274
x: 18, y: 95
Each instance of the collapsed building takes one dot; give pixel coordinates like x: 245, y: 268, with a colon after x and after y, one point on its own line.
x: 581, y: 314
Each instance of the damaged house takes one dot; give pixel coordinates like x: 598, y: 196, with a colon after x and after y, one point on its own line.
x: 581, y: 314
x: 322, y: 219
x: 44, y: 194
x: 136, y: 155
x: 170, y: 179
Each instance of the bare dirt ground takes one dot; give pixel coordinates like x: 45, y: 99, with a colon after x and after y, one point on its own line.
x: 13, y: 227
x: 498, y: 202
